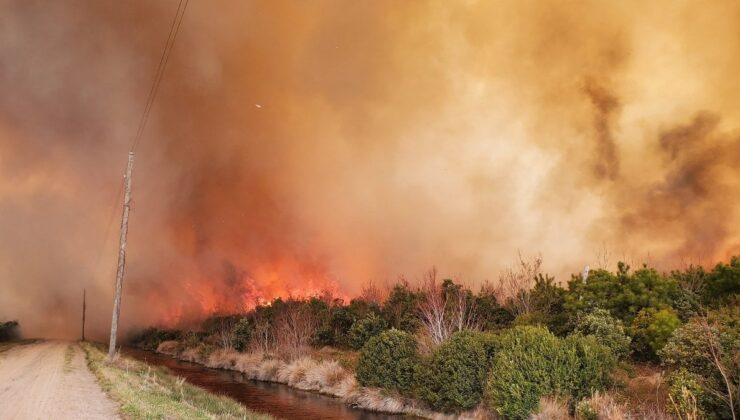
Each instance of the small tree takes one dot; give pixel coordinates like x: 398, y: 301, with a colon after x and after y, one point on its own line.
x: 400, y: 309
x: 515, y: 284
x: 445, y: 309
x: 243, y: 332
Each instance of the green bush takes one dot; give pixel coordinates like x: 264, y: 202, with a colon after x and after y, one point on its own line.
x: 690, y: 349
x: 364, y: 329
x: 651, y: 330
x: 595, y: 364
x: 492, y: 315
x: 243, y: 333
x: 452, y: 378
x: 388, y: 361
x: 548, y: 305
x: 150, y: 338
x: 607, y: 330
x: 623, y: 294
x: 685, y: 395
x: 722, y: 285
x: 532, y: 363
x: 400, y: 309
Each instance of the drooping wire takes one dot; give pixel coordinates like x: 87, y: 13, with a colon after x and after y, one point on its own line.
x: 163, y: 60
x: 159, y: 73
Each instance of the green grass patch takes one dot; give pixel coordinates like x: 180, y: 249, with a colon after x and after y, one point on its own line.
x: 147, y: 392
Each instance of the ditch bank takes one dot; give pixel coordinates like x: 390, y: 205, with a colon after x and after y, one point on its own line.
x: 326, y: 377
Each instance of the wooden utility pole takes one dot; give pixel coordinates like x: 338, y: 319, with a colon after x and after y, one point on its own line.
x: 121, y: 257
x: 83, y: 314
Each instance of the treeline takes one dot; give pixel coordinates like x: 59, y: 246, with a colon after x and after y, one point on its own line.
x: 511, y: 345
x: 9, y: 330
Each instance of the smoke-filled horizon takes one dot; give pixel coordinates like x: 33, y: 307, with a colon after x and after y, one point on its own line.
x: 296, y: 147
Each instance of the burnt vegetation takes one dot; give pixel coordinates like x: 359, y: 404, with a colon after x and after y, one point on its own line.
x: 524, y: 345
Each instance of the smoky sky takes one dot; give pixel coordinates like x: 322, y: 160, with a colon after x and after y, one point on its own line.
x: 297, y: 147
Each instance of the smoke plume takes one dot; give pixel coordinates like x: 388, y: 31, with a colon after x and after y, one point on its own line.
x: 298, y: 147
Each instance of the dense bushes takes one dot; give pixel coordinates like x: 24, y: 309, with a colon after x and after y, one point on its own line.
x: 623, y: 293
x: 707, y: 351
x: 453, y: 377
x: 607, y: 331
x: 722, y: 285
x: 150, y: 338
x: 8, y: 330
x: 388, y: 361
x: 650, y: 331
x: 364, y: 329
x: 564, y: 345
x: 533, y: 363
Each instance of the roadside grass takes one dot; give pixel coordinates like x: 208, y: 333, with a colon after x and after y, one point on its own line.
x: 146, y: 392
x: 68, y: 355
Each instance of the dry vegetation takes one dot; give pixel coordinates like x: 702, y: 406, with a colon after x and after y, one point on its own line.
x: 305, y: 372
x: 144, y: 392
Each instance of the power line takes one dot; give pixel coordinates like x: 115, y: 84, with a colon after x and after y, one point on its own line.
x: 159, y: 73
x: 163, y: 60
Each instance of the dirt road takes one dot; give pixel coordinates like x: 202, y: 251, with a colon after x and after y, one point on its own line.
x: 50, y: 380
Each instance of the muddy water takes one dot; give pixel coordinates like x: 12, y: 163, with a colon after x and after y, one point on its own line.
x: 276, y: 399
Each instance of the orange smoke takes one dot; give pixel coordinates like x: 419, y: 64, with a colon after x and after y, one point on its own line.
x: 300, y: 147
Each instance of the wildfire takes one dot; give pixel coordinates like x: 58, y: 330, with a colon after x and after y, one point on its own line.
x: 238, y: 291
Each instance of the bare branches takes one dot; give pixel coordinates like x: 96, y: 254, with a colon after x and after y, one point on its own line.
x: 445, y: 309
x: 226, y: 332
x: 432, y: 309
x: 515, y: 284
x: 714, y: 354
x: 294, y: 328
x: 372, y: 293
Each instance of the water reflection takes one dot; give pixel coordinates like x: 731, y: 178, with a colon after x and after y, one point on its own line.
x: 276, y: 399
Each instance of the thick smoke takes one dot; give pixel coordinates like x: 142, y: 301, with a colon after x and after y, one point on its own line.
x: 297, y: 147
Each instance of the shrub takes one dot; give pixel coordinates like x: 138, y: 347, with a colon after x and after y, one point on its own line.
x: 700, y: 347
x: 723, y: 283
x: 584, y: 411
x: 491, y: 314
x: 548, y: 304
x: 364, y: 329
x: 623, y: 294
x: 8, y: 330
x: 452, y: 378
x: 151, y: 338
x: 607, y: 330
x: 243, y: 334
x: 532, y: 363
x: 595, y: 364
x: 388, y: 361
x: 685, y: 395
x: 651, y: 330
x: 400, y: 309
